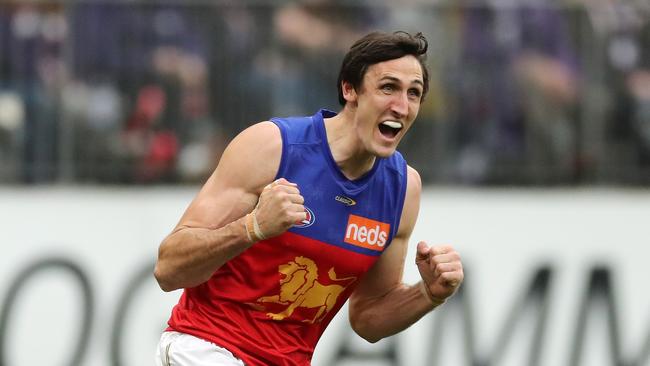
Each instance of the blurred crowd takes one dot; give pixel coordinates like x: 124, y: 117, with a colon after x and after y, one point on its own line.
x: 526, y: 92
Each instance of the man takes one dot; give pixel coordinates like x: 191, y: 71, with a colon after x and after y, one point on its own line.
x: 302, y: 213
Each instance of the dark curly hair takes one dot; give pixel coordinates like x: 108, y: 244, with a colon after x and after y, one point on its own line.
x: 377, y: 47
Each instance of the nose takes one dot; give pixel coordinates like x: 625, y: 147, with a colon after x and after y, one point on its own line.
x: 400, y: 105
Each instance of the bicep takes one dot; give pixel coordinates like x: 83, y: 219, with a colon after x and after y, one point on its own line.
x: 249, y: 162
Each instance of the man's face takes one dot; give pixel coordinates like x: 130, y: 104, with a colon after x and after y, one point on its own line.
x: 387, y: 103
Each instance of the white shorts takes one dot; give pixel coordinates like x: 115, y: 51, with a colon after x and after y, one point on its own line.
x: 180, y: 349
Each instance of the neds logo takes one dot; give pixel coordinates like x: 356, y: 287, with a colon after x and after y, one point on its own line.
x: 366, y: 233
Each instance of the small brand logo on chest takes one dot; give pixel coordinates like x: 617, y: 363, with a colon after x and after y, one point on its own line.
x: 345, y: 200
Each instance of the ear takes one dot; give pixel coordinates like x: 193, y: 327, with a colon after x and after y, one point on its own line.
x: 349, y: 94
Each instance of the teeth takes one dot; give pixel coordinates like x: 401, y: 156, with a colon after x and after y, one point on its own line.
x: 392, y: 124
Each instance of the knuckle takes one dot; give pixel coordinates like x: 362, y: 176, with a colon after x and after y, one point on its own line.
x: 446, y: 279
x: 285, y: 197
x: 447, y: 275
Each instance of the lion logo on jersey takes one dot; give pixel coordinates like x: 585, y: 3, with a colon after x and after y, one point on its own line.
x: 299, y: 287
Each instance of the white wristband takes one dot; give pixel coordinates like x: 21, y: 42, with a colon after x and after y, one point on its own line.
x: 256, y: 227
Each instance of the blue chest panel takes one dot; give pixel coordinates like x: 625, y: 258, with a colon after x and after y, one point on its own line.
x: 359, y: 215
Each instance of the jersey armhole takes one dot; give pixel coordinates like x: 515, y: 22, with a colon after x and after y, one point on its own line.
x: 401, y: 199
x: 283, y: 158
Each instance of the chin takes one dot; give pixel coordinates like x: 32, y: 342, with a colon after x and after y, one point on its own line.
x: 384, y: 152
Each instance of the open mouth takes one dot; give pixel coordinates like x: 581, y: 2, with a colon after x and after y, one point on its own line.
x: 390, y: 129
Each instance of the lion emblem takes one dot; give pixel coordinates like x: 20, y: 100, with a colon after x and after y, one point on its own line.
x: 299, y: 287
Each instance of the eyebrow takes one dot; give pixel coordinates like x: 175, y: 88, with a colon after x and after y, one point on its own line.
x: 394, y: 79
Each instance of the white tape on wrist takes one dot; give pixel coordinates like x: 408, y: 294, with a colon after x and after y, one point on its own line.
x: 256, y: 228
x: 248, y: 234
x: 248, y: 226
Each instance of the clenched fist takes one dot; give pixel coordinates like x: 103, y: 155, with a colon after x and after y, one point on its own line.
x: 441, y: 270
x: 279, y: 207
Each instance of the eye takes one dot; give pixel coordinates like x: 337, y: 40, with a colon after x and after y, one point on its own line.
x: 387, y: 88
x: 414, y: 93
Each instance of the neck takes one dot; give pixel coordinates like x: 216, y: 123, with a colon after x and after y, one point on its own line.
x: 347, y: 149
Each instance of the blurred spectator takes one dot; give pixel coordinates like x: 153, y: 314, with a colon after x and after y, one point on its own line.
x: 238, y: 94
x: 93, y: 113
x: 629, y: 60
x: 310, y: 36
x: 30, y: 57
x: 12, y: 118
x: 516, y: 89
x: 157, y: 56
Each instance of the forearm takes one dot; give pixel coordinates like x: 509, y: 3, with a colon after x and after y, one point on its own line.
x: 189, y: 256
x: 374, y: 319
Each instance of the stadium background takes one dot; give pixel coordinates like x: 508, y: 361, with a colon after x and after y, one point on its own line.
x: 533, y: 144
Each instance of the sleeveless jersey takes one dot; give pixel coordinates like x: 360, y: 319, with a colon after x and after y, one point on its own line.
x: 271, y: 304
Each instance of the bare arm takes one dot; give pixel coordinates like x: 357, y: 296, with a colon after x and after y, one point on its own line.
x: 212, y: 229
x: 382, y: 305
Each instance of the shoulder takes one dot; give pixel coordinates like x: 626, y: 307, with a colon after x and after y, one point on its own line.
x: 249, y: 162
x: 413, y: 190
x: 262, y: 139
x: 262, y: 131
x: 413, y: 181
x: 252, y: 158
